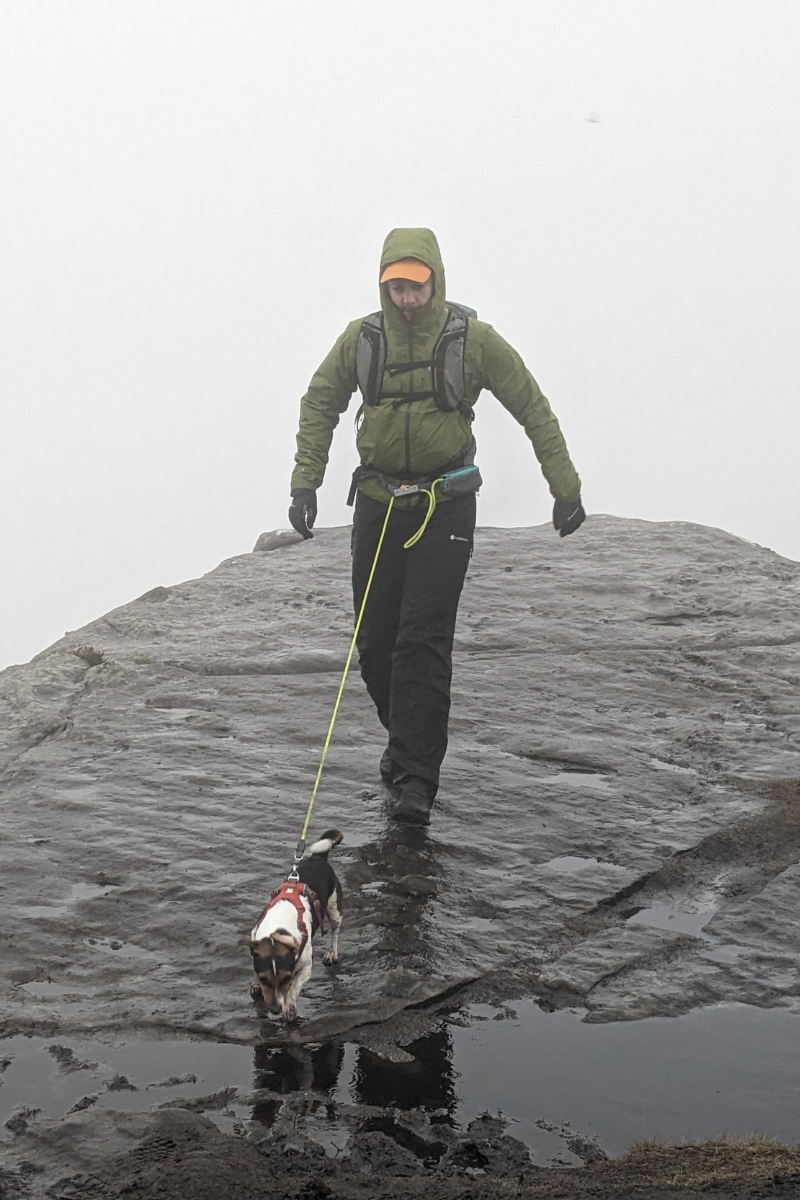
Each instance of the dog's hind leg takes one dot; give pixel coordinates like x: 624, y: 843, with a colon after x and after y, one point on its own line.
x: 331, y: 955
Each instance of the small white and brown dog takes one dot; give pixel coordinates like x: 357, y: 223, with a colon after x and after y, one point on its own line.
x: 281, y: 940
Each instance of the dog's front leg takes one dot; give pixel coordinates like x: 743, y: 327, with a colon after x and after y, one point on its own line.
x: 300, y: 978
x: 331, y: 955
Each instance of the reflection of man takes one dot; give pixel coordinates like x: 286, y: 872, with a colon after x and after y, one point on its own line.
x: 428, y: 1082
x: 420, y: 365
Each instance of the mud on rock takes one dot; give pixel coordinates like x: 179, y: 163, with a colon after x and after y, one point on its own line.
x: 184, y: 1157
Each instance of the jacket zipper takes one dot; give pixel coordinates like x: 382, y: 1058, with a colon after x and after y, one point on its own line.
x: 411, y: 393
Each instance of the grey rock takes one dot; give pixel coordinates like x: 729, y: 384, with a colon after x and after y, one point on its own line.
x: 625, y: 736
x: 602, y: 957
x: 276, y: 540
x: 19, y: 1121
x: 375, y: 1153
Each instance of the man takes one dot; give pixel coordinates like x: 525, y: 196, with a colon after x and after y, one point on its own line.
x: 420, y: 365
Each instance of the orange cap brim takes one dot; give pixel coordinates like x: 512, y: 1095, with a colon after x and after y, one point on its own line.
x: 407, y: 268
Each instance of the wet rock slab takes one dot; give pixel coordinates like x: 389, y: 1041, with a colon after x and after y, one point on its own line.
x: 625, y: 736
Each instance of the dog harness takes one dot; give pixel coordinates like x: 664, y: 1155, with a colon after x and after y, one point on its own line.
x: 294, y: 890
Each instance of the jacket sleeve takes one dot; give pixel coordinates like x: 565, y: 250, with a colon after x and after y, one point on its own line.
x: 328, y: 396
x: 505, y: 375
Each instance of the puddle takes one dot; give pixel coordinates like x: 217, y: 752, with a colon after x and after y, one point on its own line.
x: 591, y: 779
x: 725, y: 954
x: 731, y: 1068
x: 569, y: 864
x: 659, y: 765
x: 661, y: 916
x: 133, y: 1076
x: 89, y: 891
x: 80, y: 891
x: 121, y: 949
x: 43, y: 911
x: 44, y: 989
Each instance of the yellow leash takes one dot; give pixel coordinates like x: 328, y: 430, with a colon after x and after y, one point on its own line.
x: 412, y: 541
x: 301, y: 845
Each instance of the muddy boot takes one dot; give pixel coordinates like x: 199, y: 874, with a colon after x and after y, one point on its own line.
x: 414, y: 801
x: 387, y: 766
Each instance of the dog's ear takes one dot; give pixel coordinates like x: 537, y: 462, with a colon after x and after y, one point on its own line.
x: 263, y: 948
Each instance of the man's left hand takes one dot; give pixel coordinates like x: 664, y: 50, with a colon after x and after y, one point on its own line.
x: 568, y: 515
x: 303, y: 512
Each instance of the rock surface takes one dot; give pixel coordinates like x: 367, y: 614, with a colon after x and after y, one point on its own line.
x: 618, y: 824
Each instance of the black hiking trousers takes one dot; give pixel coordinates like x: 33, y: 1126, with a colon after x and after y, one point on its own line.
x: 406, y: 638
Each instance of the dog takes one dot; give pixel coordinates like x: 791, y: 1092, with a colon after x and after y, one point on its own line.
x: 281, y: 939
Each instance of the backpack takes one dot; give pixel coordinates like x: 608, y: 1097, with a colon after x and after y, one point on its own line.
x: 447, y: 363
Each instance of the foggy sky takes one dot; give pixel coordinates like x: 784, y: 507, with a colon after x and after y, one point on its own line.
x: 193, y: 204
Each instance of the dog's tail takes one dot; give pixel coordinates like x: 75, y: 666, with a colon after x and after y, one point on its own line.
x: 329, y: 839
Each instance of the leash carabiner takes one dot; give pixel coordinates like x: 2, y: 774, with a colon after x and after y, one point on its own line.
x: 299, y: 851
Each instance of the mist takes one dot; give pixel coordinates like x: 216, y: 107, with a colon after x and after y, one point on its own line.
x: 195, y: 197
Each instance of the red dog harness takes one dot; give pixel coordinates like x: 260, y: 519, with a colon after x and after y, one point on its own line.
x: 294, y: 890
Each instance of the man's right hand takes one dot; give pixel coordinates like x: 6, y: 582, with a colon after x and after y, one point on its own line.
x: 303, y: 512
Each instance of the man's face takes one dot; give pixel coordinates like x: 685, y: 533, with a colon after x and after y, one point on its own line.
x: 409, y: 296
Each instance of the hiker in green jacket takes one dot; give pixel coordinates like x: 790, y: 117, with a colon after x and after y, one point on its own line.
x: 420, y: 365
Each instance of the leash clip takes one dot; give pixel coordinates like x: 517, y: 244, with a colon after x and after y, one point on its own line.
x: 300, y: 850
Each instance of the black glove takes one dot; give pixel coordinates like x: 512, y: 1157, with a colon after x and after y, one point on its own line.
x: 567, y: 516
x: 303, y: 512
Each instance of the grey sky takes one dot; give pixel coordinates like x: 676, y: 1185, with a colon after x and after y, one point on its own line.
x: 193, y: 203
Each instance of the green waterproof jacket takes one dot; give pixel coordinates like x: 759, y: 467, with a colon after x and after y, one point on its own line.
x: 405, y: 442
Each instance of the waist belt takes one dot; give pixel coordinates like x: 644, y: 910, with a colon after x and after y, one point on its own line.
x: 455, y: 483
x: 455, y: 480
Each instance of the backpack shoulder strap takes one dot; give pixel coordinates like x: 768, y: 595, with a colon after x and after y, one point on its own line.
x: 463, y: 309
x: 371, y: 357
x: 447, y: 363
x: 448, y: 357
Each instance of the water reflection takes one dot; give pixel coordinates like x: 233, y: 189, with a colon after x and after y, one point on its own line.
x: 427, y: 1082
x: 298, y: 1068
x: 390, y: 887
x: 395, y: 878
x: 728, y: 1067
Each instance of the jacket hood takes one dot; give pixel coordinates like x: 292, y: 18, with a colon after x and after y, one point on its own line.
x: 421, y: 244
